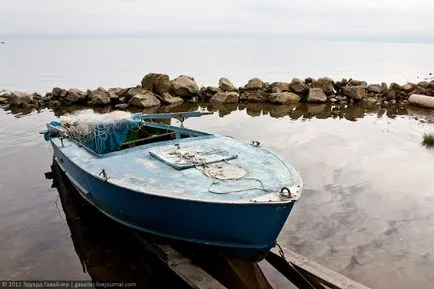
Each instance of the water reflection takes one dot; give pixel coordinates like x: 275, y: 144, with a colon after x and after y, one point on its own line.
x: 301, y: 111
x: 107, y: 251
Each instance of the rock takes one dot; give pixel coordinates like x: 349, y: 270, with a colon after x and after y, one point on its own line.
x: 355, y: 92
x: 326, y: 84
x: 208, y: 92
x: 226, y: 85
x: 370, y: 100
x: 225, y: 97
x: 121, y: 105
x: 184, y: 87
x: 254, y: 83
x: 298, y: 86
x: 394, y: 91
x: 384, y: 88
x: 75, y: 95
x: 309, y: 80
x: 280, y: 86
x: 333, y: 100
x: 354, y: 82
x: 374, y: 88
x: 421, y: 100
x: 17, y: 98
x: 56, y: 92
x: 316, y: 95
x: 431, y: 84
x: 116, y: 92
x: 99, y: 97
x: 254, y: 96
x: 3, y: 100
x: 424, y: 84
x: 168, y: 99
x: 144, y: 99
x: 156, y: 82
x: 409, y: 87
x: 53, y: 103
x: 284, y: 97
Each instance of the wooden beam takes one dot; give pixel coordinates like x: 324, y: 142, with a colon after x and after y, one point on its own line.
x: 316, y: 272
x: 193, y: 275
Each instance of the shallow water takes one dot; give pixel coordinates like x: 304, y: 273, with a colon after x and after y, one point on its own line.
x: 366, y: 211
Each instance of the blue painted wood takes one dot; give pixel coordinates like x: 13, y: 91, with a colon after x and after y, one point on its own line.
x: 179, y: 115
x: 142, y: 192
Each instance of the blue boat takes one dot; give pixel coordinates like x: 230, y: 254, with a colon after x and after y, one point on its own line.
x: 179, y: 183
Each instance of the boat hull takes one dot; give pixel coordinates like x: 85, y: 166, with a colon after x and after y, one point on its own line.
x: 246, y: 230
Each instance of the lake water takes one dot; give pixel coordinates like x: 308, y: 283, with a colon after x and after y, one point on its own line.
x: 368, y: 206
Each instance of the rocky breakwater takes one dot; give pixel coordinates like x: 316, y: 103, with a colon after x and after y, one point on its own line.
x: 158, y: 89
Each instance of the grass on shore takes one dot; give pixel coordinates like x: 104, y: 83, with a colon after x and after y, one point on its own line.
x: 428, y: 140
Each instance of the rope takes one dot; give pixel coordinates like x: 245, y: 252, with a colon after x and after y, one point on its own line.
x: 282, y: 254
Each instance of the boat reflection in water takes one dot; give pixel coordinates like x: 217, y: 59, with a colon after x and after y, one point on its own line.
x: 108, y: 252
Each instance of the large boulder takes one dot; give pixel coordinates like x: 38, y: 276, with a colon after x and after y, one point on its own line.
x: 156, y: 82
x: 374, y: 88
x: 326, y: 84
x: 226, y: 85
x: 357, y: 92
x: 99, y: 97
x: 144, y: 99
x: 298, y: 86
x: 258, y: 95
x: 184, y: 87
x: 316, y: 95
x: 394, y: 92
x: 18, y: 98
x: 75, y: 95
x: 280, y: 86
x: 254, y: 84
x: 284, y: 97
x: 169, y: 99
x: 424, y: 84
x: 421, y: 100
x: 225, y: 97
x: 3, y: 100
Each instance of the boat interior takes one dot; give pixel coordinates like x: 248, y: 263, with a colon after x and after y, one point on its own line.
x: 133, y: 133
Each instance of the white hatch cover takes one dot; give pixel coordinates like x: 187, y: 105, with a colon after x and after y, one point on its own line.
x: 188, y: 155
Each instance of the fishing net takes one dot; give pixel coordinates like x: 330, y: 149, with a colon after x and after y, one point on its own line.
x: 102, y: 133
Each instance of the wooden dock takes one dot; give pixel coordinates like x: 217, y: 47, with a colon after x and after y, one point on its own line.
x: 202, y: 268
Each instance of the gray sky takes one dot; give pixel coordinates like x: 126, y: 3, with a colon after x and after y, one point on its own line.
x: 392, y: 20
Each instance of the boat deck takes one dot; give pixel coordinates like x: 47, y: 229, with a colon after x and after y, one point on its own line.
x: 252, y: 174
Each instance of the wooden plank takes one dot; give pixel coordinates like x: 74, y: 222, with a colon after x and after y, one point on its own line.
x: 193, y: 275
x: 291, y: 273
x: 323, y: 275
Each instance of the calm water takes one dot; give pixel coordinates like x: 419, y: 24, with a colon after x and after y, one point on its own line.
x: 39, y: 65
x: 368, y: 206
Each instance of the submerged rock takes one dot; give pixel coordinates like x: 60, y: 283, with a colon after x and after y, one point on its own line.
x: 145, y: 99
x: 284, y: 97
x: 226, y: 85
x: 316, y: 95
x: 355, y: 92
x: 184, y: 87
x: 157, y: 83
x: 225, y: 97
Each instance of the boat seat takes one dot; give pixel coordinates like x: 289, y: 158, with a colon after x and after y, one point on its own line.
x: 149, y: 139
